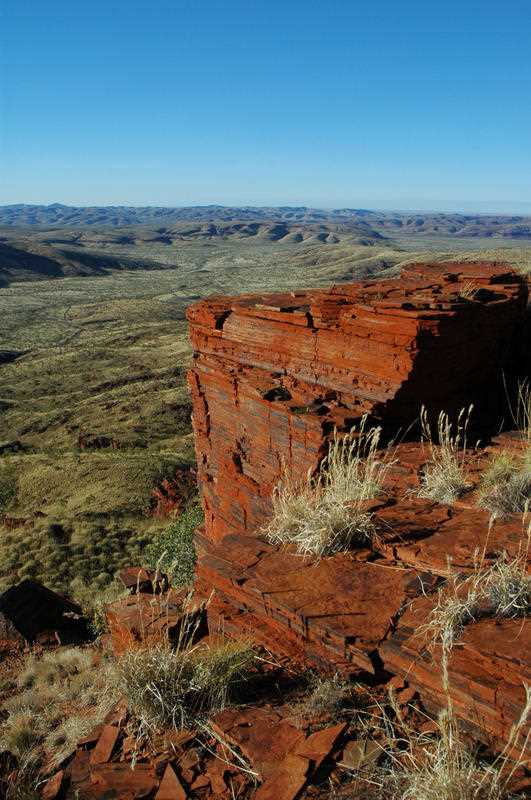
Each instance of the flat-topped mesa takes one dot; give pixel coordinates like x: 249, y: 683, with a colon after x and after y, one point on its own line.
x: 274, y: 374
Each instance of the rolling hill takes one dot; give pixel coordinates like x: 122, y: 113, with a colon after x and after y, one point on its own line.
x: 278, y: 221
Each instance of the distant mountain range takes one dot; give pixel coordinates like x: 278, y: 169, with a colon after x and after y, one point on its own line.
x: 281, y: 221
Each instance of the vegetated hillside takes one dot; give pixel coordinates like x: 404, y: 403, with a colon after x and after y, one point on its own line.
x: 35, y: 253
x: 102, y: 362
x: 105, y: 358
x: 41, y: 242
x: 272, y: 222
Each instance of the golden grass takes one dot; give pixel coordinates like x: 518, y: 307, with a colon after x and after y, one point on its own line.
x: 327, y: 514
x: 175, y: 688
x: 443, y: 479
x: 445, y: 767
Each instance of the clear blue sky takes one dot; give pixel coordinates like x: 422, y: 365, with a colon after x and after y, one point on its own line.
x: 390, y: 104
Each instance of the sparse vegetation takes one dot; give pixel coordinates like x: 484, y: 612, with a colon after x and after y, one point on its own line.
x: 505, y: 488
x: 175, y: 688
x: 443, y: 479
x: 326, y: 695
x: 507, y: 587
x: 327, y: 514
x: 444, y: 767
x: 93, y: 599
x: 502, y: 589
x: 172, y: 551
x: 62, y: 696
x: 523, y: 410
x: 83, y: 517
x: 8, y: 484
x: 507, y: 495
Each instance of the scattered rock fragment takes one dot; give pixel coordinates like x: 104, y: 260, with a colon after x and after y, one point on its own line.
x: 170, y: 787
x: 105, y: 745
x: 287, y: 781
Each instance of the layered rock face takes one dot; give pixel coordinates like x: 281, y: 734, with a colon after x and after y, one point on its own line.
x: 274, y: 375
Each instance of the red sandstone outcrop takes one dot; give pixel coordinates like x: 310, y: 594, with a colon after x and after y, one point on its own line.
x: 273, y: 375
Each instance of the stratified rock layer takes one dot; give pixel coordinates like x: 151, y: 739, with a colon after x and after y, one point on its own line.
x: 273, y: 376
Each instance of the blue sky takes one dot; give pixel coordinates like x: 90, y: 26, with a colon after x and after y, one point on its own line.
x: 330, y: 103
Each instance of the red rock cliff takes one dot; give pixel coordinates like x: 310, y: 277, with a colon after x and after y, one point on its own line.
x: 274, y: 374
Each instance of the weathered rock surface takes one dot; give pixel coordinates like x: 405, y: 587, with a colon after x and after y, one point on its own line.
x: 274, y: 374
x: 336, y: 610
x: 488, y: 669
x: 144, y: 617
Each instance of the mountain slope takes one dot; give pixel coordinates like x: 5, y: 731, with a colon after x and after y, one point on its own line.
x: 356, y: 221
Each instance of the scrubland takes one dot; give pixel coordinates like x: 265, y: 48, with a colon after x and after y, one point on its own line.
x: 102, y: 360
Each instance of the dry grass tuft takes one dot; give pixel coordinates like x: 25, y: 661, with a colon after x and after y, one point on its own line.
x: 325, y: 695
x: 326, y: 514
x: 443, y: 479
x: 505, y: 488
x: 468, y: 291
x: 502, y: 589
x: 523, y: 410
x: 445, y: 768
x: 166, y: 688
x: 507, y: 587
x: 453, y: 610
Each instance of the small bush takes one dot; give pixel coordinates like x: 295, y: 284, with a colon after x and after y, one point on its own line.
x: 505, y: 488
x: 167, y: 688
x: 327, y: 514
x: 443, y: 479
x: 172, y: 552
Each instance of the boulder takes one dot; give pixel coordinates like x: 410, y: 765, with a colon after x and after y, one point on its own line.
x: 33, y: 612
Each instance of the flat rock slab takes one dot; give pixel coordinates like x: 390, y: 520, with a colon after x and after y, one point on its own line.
x: 262, y: 735
x: 287, y: 781
x: 319, y: 745
x: 488, y: 668
x: 170, y: 787
x: 144, y: 617
x: 105, y: 745
x: 338, y: 606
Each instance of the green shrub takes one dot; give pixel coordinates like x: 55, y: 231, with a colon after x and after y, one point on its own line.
x: 172, y: 552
